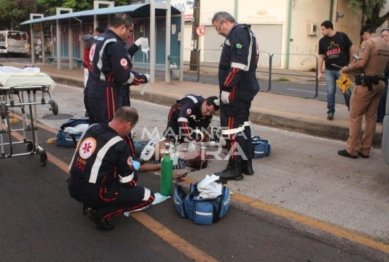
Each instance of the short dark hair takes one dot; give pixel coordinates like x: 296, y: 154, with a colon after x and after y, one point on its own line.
x: 214, y: 101
x: 327, y: 24
x: 221, y: 16
x: 127, y: 114
x: 368, y: 28
x: 119, y: 19
x: 385, y: 29
x: 99, y: 29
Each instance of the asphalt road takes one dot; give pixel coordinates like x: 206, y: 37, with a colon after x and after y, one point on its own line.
x: 40, y: 222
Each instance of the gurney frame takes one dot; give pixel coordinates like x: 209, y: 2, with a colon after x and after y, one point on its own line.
x: 26, y: 98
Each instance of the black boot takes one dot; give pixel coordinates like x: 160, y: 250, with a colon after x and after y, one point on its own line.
x: 247, y: 167
x: 100, y: 223
x: 233, y: 170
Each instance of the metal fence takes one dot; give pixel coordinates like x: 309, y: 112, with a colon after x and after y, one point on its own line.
x: 272, y: 79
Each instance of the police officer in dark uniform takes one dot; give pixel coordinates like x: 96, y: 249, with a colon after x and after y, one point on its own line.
x: 103, y: 174
x: 110, y: 71
x: 238, y: 86
x: 189, y: 113
x: 369, y: 86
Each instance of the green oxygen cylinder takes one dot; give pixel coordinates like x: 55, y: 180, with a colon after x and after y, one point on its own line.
x: 166, y: 173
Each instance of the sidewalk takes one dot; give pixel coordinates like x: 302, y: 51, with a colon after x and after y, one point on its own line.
x: 273, y: 110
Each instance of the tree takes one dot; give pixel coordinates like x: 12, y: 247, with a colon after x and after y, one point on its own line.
x: 13, y: 12
x: 371, y: 10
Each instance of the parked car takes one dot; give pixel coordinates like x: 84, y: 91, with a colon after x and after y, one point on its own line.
x: 3, y: 51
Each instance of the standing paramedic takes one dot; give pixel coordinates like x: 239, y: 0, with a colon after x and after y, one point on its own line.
x: 88, y: 43
x: 110, y: 71
x: 103, y: 176
x: 335, y: 48
x: 369, y: 86
x: 238, y: 86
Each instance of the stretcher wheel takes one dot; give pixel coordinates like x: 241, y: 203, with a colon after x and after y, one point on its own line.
x: 43, y: 158
x: 29, y: 146
x: 3, y: 111
x: 54, y: 107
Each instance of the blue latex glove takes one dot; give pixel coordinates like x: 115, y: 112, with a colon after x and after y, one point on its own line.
x: 136, y: 165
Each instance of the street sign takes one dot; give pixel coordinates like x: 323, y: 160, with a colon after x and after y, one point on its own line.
x: 200, y: 30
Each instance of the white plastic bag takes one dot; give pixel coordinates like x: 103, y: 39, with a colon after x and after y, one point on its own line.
x: 208, y: 188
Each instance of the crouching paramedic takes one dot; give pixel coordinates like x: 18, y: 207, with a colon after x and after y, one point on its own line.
x: 102, y: 174
x: 189, y: 113
x: 110, y: 71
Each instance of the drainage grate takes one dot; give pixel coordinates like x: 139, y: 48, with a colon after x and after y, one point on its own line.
x: 57, y: 117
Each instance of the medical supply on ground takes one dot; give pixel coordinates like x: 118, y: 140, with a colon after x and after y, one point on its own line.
x: 166, y: 185
x: 261, y: 147
x: 203, y: 211
x: 70, y: 132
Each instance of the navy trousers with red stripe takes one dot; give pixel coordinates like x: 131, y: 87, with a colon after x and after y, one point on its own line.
x: 233, y: 115
x: 102, y: 107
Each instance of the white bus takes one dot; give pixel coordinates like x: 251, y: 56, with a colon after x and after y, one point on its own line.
x: 15, y: 42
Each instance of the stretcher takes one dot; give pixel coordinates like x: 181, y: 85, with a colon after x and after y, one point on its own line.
x: 24, y: 90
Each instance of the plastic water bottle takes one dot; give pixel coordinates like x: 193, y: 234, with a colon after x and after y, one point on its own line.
x: 166, y: 173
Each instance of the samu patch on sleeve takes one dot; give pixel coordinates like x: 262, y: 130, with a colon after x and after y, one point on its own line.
x: 238, y: 46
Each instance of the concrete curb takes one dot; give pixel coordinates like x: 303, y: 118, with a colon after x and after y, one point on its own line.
x: 305, y: 126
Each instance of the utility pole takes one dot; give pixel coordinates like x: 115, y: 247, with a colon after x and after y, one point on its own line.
x: 194, y: 57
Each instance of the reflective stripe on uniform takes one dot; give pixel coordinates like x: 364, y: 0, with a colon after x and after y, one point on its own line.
x: 236, y: 130
x: 238, y: 65
x: 100, y: 156
x: 250, y: 51
x: 132, y: 77
x: 126, y: 179
x: 194, y: 99
x: 243, y: 66
x: 100, y: 62
x: 182, y: 119
x: 147, y: 194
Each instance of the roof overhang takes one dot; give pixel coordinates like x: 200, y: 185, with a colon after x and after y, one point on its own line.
x: 135, y: 11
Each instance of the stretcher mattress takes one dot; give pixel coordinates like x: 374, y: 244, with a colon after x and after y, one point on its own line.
x: 13, y: 77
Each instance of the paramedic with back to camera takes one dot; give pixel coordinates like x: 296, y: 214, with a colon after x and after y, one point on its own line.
x: 103, y: 176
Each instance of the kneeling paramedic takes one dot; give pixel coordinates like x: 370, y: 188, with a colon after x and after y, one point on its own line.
x: 189, y: 113
x: 103, y: 175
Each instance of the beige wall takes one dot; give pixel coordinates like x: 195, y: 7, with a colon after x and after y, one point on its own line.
x: 303, y: 47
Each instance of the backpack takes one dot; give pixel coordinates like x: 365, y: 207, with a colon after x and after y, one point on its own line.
x: 203, y: 211
x: 70, y: 132
x: 261, y: 147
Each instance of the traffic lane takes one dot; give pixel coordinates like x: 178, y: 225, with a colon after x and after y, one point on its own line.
x: 42, y: 216
x: 40, y: 213
x: 40, y: 222
x: 246, y: 234
x: 297, y: 175
x: 240, y: 237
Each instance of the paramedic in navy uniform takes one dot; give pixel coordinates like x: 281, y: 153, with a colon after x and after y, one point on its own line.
x: 238, y: 86
x: 110, y: 71
x: 103, y: 175
x: 189, y: 113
